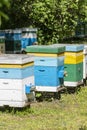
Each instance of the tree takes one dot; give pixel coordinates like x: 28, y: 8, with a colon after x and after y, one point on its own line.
x: 19, y: 14
x: 82, y: 10
x: 55, y: 19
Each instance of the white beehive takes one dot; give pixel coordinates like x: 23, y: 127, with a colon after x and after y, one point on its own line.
x: 16, y: 73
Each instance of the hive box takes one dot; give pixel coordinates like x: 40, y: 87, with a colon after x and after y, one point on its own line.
x: 29, y: 37
x: 13, y: 41
x: 48, y: 67
x: 16, y: 73
x: 85, y: 63
x: 73, y: 64
x: 74, y: 54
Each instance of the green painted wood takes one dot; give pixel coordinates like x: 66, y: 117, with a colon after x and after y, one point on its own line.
x: 74, y: 72
x: 45, y: 49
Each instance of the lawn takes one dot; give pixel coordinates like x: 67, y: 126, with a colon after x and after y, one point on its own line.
x: 69, y: 113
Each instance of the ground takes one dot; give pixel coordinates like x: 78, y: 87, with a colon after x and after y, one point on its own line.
x: 69, y: 113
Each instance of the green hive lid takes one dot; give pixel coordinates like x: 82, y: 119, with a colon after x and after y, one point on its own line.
x: 45, y: 49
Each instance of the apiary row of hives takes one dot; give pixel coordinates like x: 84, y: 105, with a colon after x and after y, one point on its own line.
x: 47, y: 68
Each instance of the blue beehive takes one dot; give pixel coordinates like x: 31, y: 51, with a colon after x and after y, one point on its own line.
x: 29, y: 37
x: 48, y: 67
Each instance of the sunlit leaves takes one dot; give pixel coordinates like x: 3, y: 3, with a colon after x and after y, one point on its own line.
x: 56, y: 18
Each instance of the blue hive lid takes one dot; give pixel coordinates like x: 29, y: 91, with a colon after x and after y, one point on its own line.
x: 74, y: 47
x: 70, y: 47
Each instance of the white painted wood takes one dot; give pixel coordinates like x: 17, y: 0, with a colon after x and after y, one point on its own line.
x: 72, y: 84
x: 12, y: 92
x: 29, y: 35
x: 15, y: 84
x: 85, y: 66
x: 14, y: 104
x: 47, y: 88
x: 15, y: 58
x: 17, y: 31
x: 11, y: 95
x: 85, y: 49
x: 85, y: 62
x: 29, y: 29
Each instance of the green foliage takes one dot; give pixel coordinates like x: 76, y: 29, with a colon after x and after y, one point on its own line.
x: 19, y: 14
x: 55, y: 19
x: 85, y: 9
x: 82, y: 10
x: 3, y: 4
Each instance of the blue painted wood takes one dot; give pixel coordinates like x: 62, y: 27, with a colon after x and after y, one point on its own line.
x: 17, y: 36
x: 61, y: 72
x: 74, y: 48
x: 24, y: 42
x: 32, y: 40
x: 47, y: 76
x: 28, y: 71
x: 27, y: 89
x: 48, y: 61
x: 2, y: 33
x: 16, y: 73
x: 27, y: 42
x: 13, y: 36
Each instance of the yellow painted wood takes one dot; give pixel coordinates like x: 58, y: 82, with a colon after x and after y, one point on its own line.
x: 73, y: 53
x: 46, y: 55
x: 72, y: 59
x: 16, y: 65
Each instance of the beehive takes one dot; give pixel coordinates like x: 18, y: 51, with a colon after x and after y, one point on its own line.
x: 13, y: 41
x: 73, y: 65
x: 85, y: 63
x: 48, y: 67
x: 16, y: 74
x: 29, y: 37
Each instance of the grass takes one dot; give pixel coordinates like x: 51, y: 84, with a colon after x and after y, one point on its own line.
x: 69, y: 113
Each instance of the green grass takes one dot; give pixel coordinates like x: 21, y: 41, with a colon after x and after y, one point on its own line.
x: 69, y: 113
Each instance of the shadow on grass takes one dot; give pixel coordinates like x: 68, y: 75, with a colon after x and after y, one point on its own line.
x: 83, y: 128
x: 16, y: 111
x: 72, y: 90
